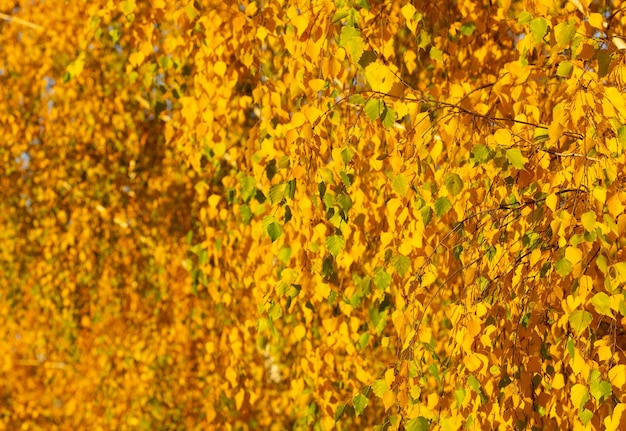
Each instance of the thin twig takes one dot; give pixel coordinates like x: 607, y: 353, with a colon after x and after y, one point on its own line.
x: 10, y: 18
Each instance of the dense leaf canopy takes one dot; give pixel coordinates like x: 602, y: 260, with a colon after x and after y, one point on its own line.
x: 313, y: 214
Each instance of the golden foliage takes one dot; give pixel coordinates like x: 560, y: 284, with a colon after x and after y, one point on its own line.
x: 312, y: 215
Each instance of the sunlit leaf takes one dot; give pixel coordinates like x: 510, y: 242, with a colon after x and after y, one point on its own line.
x: 335, y: 244
x: 359, y: 402
x: 352, y: 40
x: 453, y: 183
x: 580, y: 320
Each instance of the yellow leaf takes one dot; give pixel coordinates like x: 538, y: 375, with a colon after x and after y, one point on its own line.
x: 363, y: 376
x: 604, y: 353
x: 380, y: 77
x: 231, y: 376
x: 503, y: 137
x: 390, y: 376
x: 473, y: 327
x: 219, y: 68
x: 261, y: 33
x: 136, y: 58
x: 472, y: 362
x: 614, y: 205
x: 551, y: 201
x: 75, y: 68
x: 425, y: 334
x: 613, y: 422
x: 578, y: 394
x: 617, y: 376
x: 190, y: 108
x: 312, y: 114
x: 317, y: 84
x: 558, y: 382
x: 408, y: 12
x: 389, y: 399
x: 239, y: 398
x: 599, y: 193
x: 573, y: 254
x: 299, y: 331
x: 430, y: 275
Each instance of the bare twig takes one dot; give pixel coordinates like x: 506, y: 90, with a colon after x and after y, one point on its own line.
x: 23, y: 22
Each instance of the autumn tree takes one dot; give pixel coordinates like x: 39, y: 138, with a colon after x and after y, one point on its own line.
x: 313, y: 215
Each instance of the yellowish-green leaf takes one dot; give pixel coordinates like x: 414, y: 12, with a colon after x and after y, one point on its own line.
x: 602, y: 303
x: 453, y: 183
x: 564, y: 69
x: 335, y: 244
x: 400, y: 184
x: 580, y: 320
x: 538, y: 28
x: 379, y: 77
x: 564, y: 33
x: 359, y: 402
x: 351, y: 39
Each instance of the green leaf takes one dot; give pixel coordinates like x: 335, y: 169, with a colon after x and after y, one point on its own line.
x: 373, y: 108
x: 382, y: 280
x: 524, y: 18
x: 350, y: 39
x: 474, y: 384
x: 459, y: 395
x: 288, y: 214
x: 277, y: 193
x: 585, y: 416
x: 600, y: 390
x: 442, y: 206
x: 514, y: 155
x: 563, y: 267
x: 538, y: 28
x: 481, y: 154
x: 290, y: 189
x: 379, y: 319
x: 453, y: 183
x: 468, y: 28
x: 602, y: 303
x: 356, y: 99
x: 272, y: 227
x: 570, y: 348
x: 621, y: 135
x: 335, y: 244
x: 388, y: 117
x: 436, y: 54
x: 427, y: 214
x: 401, y: 264
x: 248, y: 187
x: 367, y: 58
x: 604, y: 61
x: 275, y: 312
x: 341, y: 408
x: 346, y: 155
x: 344, y: 202
x: 359, y: 402
x: 379, y: 387
x: 400, y: 184
x: 541, y: 135
x: 424, y: 40
x: 339, y: 15
x: 364, y: 338
x: 565, y: 69
x: 588, y: 220
x: 419, y: 423
x: 246, y: 213
x: 579, y: 320
x: 564, y: 33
